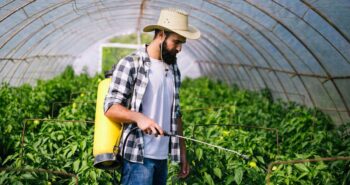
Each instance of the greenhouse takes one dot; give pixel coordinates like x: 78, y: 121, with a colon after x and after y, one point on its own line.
x: 264, y: 97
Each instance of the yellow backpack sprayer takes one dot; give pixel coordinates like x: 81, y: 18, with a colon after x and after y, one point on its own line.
x: 107, y: 133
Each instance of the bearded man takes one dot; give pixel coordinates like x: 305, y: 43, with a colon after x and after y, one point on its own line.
x: 144, y: 94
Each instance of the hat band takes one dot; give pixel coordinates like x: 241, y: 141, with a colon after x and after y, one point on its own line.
x: 174, y: 28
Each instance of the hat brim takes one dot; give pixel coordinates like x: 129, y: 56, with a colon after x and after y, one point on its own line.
x: 191, y: 33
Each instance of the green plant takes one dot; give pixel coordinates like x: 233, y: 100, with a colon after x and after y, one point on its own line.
x: 212, y: 112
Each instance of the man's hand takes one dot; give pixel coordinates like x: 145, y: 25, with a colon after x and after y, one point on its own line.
x: 148, y: 126
x: 185, y: 170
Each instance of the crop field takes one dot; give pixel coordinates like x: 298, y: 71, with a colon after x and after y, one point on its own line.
x: 47, y: 136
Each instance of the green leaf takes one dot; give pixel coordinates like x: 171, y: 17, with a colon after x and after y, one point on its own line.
x: 30, y: 156
x: 28, y: 176
x: 289, y: 170
x: 83, y: 144
x: 302, y: 167
x: 261, y: 159
x: 93, y: 175
x: 302, y: 175
x: 321, y: 166
x: 238, y: 175
x: 60, y: 137
x: 74, y: 148
x: 217, y: 172
x: 229, y: 180
x: 199, y: 153
x: 208, y: 179
x: 76, y: 165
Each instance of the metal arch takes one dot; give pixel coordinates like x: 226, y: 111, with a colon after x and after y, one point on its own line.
x: 43, y: 38
x: 5, y: 72
x: 7, y: 3
x: 88, y: 41
x: 210, y: 66
x: 17, y: 67
x: 237, y: 44
x: 87, y: 33
x: 82, y: 32
x: 246, y: 54
x: 201, y: 54
x: 80, y: 26
x: 325, y: 18
x: 222, y: 54
x: 263, y: 35
x: 333, y: 102
x: 67, y: 39
x: 203, y: 45
x: 341, y: 77
x: 23, y: 74
x: 306, y: 91
x: 305, y: 86
x: 4, y: 66
x: 47, y: 68
x: 29, y: 22
x: 24, y: 40
x: 53, y: 65
x: 252, y: 45
x: 309, y: 50
x: 18, y: 8
x: 90, y: 34
x: 101, y: 12
x: 29, y: 69
x: 201, y: 64
x: 31, y: 66
x: 14, y: 69
x: 204, y: 54
x: 62, y: 26
x: 55, y: 6
x: 311, y: 26
x: 20, y: 66
x: 229, y: 37
x: 57, y: 67
x: 142, y: 7
x: 291, y: 65
x: 32, y: 75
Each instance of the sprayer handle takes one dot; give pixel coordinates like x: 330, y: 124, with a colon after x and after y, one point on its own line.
x: 166, y: 133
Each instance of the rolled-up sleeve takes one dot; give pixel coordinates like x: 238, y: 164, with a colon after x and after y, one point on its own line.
x: 120, y: 87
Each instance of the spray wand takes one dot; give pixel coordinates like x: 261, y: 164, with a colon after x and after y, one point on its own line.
x: 245, y: 157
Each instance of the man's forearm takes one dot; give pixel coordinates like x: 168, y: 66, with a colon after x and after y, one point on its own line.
x: 118, y: 113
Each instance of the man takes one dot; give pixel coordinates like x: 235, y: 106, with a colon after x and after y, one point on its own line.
x: 144, y: 93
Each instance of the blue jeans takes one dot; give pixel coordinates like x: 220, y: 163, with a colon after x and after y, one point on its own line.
x: 152, y: 171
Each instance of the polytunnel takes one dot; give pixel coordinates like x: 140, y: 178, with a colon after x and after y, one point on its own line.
x: 297, y: 49
x: 254, y: 52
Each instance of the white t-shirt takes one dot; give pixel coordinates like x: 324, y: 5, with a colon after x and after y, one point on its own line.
x: 156, y: 104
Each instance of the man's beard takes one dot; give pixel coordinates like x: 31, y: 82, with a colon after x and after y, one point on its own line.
x: 169, y: 57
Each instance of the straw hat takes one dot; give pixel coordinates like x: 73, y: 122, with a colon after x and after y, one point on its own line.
x: 174, y: 20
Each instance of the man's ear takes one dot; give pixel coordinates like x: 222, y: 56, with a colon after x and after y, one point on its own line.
x: 162, y: 36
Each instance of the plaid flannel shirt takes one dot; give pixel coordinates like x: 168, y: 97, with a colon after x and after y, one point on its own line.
x: 122, y: 90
